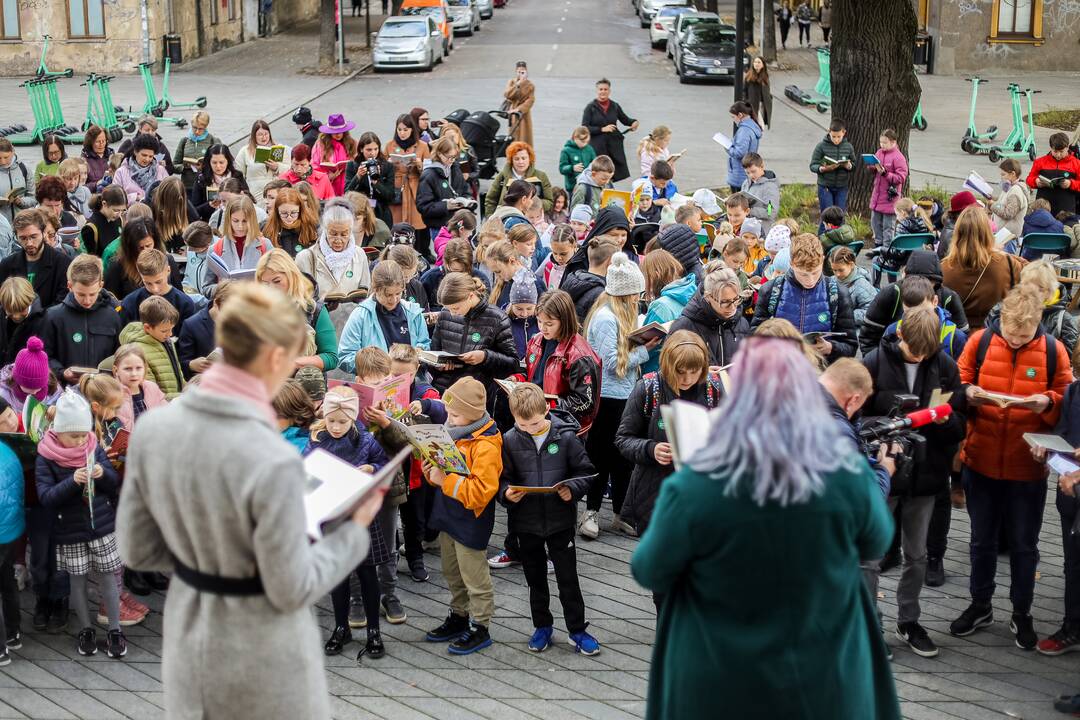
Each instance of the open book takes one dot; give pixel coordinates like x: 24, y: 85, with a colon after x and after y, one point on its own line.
x: 272, y: 153
x: 192, y: 161
x: 120, y: 442
x: 687, y: 426
x: 224, y: 273
x: 1045, y: 181
x: 724, y: 140
x: 434, y: 445
x: 14, y: 194
x: 676, y: 156
x: 436, y: 357
x: 1053, y: 443
x: 1002, y: 400
x: 976, y: 183
x: 334, y: 488
x: 329, y: 167
x: 545, y: 489
x: 508, y: 386
x: 813, y: 337
x: 835, y: 161
x: 391, y: 395
x: 870, y: 159
x: 35, y: 418
x: 645, y: 333
x: 354, y: 296
x: 402, y: 157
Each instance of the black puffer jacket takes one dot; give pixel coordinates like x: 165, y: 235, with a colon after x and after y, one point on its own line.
x: 561, y: 457
x: 608, y: 219
x: 721, y: 336
x: 58, y: 491
x: 583, y: 287
x: 641, y: 429
x: 434, y: 189
x: 75, y: 336
x: 886, y: 366
x: 484, y: 328
x: 13, y: 336
x: 886, y: 308
x: 680, y: 241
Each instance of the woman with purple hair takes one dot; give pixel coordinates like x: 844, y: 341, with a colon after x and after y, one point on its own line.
x: 755, y: 546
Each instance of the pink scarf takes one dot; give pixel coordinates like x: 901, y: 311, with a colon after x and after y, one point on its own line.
x: 68, y: 457
x: 227, y: 381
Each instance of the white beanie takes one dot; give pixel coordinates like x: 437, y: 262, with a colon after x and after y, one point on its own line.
x: 779, y: 237
x: 624, y: 277
x: 72, y: 413
x: 581, y: 214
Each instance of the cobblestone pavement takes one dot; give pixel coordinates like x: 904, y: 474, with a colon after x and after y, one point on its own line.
x: 981, y: 677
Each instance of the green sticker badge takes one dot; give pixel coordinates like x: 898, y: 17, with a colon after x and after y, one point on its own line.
x: 660, y: 423
x: 475, y: 337
x: 552, y: 449
x: 77, y: 337
x: 348, y: 273
x: 1030, y: 373
x: 823, y: 317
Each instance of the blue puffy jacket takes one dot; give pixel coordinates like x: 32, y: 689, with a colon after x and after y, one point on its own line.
x: 12, y: 514
x: 747, y: 137
x: 363, y: 330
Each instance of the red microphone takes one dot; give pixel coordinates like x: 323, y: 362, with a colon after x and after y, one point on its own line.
x: 927, y: 415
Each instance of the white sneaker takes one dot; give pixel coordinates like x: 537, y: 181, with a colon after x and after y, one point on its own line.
x: 620, y: 525
x: 589, y: 527
x: 551, y: 567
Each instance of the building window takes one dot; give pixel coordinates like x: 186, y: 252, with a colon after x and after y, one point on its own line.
x: 214, y: 12
x: 86, y: 19
x: 234, y: 9
x: 9, y: 20
x: 1018, y: 21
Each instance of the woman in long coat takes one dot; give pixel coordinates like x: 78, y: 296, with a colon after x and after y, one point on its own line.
x: 602, y: 116
x: 520, y: 95
x: 406, y: 142
x: 756, y: 548
x: 214, y: 494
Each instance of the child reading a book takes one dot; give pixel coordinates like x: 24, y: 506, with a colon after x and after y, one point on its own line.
x: 76, y: 481
x: 464, y: 512
x: 106, y: 397
x: 104, y: 224
x: 521, y: 307
x: 197, y: 241
x: 295, y: 413
x: 563, y: 244
x: 836, y: 230
x: 339, y: 433
x: 1055, y: 177
x: 543, y: 450
x: 241, y: 244
x: 28, y: 375
x: 139, y: 394
x: 153, y: 332
x: 153, y: 267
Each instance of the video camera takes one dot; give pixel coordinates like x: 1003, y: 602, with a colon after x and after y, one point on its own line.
x: 899, y: 427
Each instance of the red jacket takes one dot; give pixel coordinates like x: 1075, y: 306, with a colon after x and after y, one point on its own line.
x: 572, y: 372
x: 318, y: 180
x: 1057, y: 196
x: 995, y: 444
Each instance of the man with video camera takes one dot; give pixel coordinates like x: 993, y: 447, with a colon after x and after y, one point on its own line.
x: 908, y: 366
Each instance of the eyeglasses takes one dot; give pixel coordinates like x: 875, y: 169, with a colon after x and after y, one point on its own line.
x: 289, y: 213
x: 726, y: 303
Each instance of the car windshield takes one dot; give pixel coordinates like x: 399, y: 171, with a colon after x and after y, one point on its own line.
x: 706, y: 35
x: 403, y: 29
x: 458, y: 3
x: 435, y: 12
x: 673, y: 11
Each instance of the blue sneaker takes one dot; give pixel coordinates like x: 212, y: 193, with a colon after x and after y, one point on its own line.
x: 584, y: 643
x: 541, y: 639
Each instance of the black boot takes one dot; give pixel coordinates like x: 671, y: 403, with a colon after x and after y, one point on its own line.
x: 58, y: 616
x: 452, y: 628
x: 374, y: 648
x: 477, y: 638
x: 338, y: 640
x: 42, y: 607
x: 935, y: 572
x: 156, y: 580
x: 136, y: 583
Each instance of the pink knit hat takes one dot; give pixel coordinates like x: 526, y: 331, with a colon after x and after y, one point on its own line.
x: 31, y: 369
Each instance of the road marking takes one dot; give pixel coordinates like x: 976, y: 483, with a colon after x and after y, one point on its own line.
x: 555, y: 46
x: 558, y: 30
x: 548, y: 68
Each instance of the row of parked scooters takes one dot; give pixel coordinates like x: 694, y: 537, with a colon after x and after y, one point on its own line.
x: 1019, y: 144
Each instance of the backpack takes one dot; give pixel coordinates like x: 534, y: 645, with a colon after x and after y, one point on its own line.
x: 714, y: 392
x: 831, y: 286
x: 984, y: 347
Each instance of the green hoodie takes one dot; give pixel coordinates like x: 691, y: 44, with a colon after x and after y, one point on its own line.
x: 570, y: 156
x: 842, y: 235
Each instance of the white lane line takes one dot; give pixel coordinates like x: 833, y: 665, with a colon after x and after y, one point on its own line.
x: 555, y: 46
x: 548, y: 68
x: 558, y: 30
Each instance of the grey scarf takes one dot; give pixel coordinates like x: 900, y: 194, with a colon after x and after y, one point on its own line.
x: 458, y: 432
x: 144, y: 177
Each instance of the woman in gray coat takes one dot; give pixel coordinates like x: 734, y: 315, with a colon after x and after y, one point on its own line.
x: 215, y: 495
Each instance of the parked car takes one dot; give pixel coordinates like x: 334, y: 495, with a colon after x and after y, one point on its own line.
x: 662, y: 22
x: 407, y: 41
x: 707, y: 52
x: 439, y: 12
x: 648, y: 8
x: 464, y: 16
x: 684, y: 21
x: 487, y: 9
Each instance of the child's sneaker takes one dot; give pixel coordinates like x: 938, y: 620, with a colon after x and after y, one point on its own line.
x: 584, y: 643
x: 476, y: 638
x: 117, y: 644
x: 5, y: 659
x: 87, y: 641
x: 14, y: 641
x: 392, y: 610
x: 131, y: 612
x: 453, y: 627
x: 541, y: 639
x: 502, y: 560
x: 357, y: 616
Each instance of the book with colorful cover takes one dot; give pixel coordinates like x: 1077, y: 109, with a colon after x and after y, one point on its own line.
x: 434, y: 445
x: 272, y: 153
x: 35, y: 418
x: 391, y: 395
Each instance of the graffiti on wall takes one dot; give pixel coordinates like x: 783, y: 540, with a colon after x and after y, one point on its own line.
x: 968, y: 7
x: 1061, y: 16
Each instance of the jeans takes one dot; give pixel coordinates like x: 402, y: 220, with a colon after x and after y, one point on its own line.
x: 1018, y: 506
x: 825, y: 33
x: 913, y: 523
x: 829, y: 197
x: 609, y: 462
x: 937, y: 537
x: 1068, y: 507
x: 561, y: 550
x: 804, y: 28
x: 9, y: 591
x: 48, y: 583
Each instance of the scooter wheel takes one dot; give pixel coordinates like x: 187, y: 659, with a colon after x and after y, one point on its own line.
x: 921, y: 124
x: 116, y: 134
x: 129, y: 126
x: 995, y: 155
x: 200, y: 101
x: 118, y: 108
x: 157, y: 112
x: 181, y: 124
x: 823, y: 108
x: 965, y: 145
x: 991, y: 131
x: 1031, y: 153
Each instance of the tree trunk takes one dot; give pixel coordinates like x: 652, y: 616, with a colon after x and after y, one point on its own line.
x: 327, y: 34
x: 768, y: 33
x: 873, y: 81
x: 748, y: 14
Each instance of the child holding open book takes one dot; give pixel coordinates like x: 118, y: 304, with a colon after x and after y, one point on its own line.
x: 543, y: 450
x: 339, y: 433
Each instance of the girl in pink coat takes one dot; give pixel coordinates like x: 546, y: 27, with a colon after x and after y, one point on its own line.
x: 333, y: 150
x: 891, y: 171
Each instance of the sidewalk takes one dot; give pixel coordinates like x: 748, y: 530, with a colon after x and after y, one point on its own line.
x: 266, y: 78
x: 935, y: 155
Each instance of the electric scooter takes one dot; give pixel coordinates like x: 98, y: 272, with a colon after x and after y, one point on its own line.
x: 973, y: 141
x: 918, y: 122
x: 44, y: 72
x: 1025, y: 147
x: 199, y: 102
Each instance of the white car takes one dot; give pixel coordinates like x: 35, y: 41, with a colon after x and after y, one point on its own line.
x: 407, y: 41
x: 464, y: 16
x: 648, y: 8
x: 661, y: 23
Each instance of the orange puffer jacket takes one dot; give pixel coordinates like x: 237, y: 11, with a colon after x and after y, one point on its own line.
x: 995, y: 444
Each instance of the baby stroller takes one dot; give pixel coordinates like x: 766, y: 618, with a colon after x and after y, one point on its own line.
x: 481, y: 131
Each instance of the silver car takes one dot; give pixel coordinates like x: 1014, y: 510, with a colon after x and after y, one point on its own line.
x: 684, y: 21
x: 464, y: 16
x: 408, y: 41
x: 648, y: 8
x: 486, y: 8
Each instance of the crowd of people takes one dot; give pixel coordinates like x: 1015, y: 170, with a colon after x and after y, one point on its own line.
x: 194, y: 322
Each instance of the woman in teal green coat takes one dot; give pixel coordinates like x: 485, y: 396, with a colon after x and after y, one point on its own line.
x: 765, y: 614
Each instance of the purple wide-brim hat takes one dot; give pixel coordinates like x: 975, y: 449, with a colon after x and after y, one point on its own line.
x: 336, y: 124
